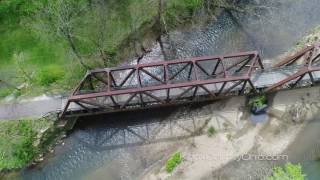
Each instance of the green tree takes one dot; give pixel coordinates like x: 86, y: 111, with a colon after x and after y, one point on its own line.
x: 11, y: 10
x: 60, y: 17
x: 289, y: 172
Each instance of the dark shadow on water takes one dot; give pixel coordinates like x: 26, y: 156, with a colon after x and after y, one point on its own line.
x: 118, y: 139
x: 136, y: 128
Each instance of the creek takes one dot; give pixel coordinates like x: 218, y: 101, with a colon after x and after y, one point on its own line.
x: 118, y: 146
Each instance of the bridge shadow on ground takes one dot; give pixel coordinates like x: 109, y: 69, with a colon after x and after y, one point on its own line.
x: 136, y: 128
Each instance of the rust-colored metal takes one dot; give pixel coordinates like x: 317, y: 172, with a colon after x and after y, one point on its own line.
x: 163, y: 83
x: 309, y: 59
x: 293, y: 58
x: 183, y: 81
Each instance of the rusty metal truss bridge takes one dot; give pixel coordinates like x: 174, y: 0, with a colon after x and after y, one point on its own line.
x: 189, y: 80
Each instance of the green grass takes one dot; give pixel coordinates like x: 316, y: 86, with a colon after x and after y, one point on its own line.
x: 42, y: 58
x: 50, y: 74
x: 288, y: 172
x: 211, y: 131
x: 45, y: 61
x: 20, y: 39
x: 24, y: 58
x: 16, y: 142
x: 5, y: 91
x: 174, y: 160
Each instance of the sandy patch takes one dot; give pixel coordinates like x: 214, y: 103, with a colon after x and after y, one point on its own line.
x: 289, y: 113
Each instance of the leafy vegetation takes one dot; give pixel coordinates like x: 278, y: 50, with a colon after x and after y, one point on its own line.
x: 16, y: 142
x: 289, y: 172
x: 38, y: 36
x: 211, y: 131
x: 40, y: 39
x: 50, y: 74
x: 23, y: 56
x: 11, y: 10
x: 5, y: 91
x: 180, y: 11
x: 173, y: 162
x: 257, y: 101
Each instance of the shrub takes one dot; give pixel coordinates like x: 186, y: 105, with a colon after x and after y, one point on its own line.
x: 50, y: 74
x: 289, y: 172
x: 179, y: 11
x: 211, y: 131
x: 257, y: 101
x: 173, y: 162
x: 24, y: 151
x: 16, y: 143
x: 5, y: 92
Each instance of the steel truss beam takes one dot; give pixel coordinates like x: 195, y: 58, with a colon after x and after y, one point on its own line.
x: 177, y: 81
x: 309, y: 60
x: 183, y: 81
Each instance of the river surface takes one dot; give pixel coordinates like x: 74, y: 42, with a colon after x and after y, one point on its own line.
x: 123, y: 145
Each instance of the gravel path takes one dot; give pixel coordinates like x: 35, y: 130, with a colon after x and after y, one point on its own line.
x: 31, y: 108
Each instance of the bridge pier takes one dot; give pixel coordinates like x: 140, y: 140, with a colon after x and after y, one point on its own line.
x: 67, y: 123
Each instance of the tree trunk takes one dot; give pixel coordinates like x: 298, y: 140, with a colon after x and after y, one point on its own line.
x: 74, y: 49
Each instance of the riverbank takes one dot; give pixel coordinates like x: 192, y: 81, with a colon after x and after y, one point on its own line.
x: 24, y: 142
x: 224, y: 155
x: 212, y: 157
